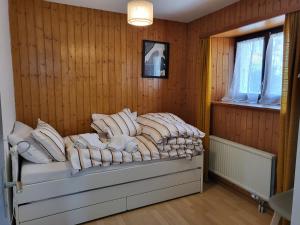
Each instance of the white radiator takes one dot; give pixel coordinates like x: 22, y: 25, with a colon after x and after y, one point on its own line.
x: 249, y: 168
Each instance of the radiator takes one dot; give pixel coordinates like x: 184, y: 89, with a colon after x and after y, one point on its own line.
x: 246, y: 167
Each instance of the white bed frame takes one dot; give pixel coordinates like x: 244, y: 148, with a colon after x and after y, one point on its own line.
x: 88, y: 197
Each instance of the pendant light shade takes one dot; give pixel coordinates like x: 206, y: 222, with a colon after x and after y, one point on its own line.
x: 140, y: 13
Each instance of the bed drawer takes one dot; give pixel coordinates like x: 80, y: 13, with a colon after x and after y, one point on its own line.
x: 82, y: 214
x: 70, y: 202
x: 83, y: 199
x: 132, y: 173
x: 161, y: 195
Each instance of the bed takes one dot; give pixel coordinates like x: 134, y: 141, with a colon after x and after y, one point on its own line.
x: 55, y: 193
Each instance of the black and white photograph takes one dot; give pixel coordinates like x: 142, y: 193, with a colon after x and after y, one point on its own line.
x: 155, y: 59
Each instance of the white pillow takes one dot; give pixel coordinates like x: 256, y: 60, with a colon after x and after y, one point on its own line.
x: 99, y: 116
x: 28, y: 148
x: 51, y: 140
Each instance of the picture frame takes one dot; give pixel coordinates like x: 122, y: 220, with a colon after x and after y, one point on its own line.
x: 155, y: 59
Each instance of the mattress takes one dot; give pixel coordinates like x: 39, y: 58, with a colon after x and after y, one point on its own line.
x: 32, y: 173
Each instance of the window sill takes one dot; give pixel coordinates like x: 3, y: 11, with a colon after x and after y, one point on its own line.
x: 248, y: 105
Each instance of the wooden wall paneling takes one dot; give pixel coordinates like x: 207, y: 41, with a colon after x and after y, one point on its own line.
x: 249, y: 127
x: 123, y: 62
x: 268, y: 130
x: 24, y: 70
x: 84, y: 78
x: 219, y: 75
x: 93, y: 91
x: 226, y: 72
x: 128, y: 76
x: 262, y: 8
x: 275, y: 133
x: 243, y: 137
x: 16, y: 61
x: 151, y: 87
x: 214, y: 57
x: 118, y: 64
x: 136, y: 63
x: 269, y: 6
x: 222, y: 57
x: 72, y: 71
x: 102, y: 64
x: 57, y: 73
x: 141, y: 102
x: 63, y: 37
x: 70, y: 62
x: 164, y: 84
x: 242, y: 13
x: 48, y: 39
x: 80, y: 79
x: 233, y: 16
x: 261, y: 129
x: 110, y: 77
x: 31, y: 43
x: 159, y: 85
x: 155, y: 89
x: 41, y: 59
x: 253, y: 127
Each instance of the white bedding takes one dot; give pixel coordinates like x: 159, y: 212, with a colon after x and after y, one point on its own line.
x: 32, y: 173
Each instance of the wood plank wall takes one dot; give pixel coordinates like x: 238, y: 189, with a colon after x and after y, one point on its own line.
x: 236, y: 15
x: 70, y: 62
x: 257, y: 128
x: 222, y: 63
x: 254, y: 127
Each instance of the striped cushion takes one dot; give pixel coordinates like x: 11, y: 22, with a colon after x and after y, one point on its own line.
x: 99, y: 116
x: 170, y: 116
x: 50, y: 140
x: 28, y: 148
x: 162, y: 126
x: 117, y: 124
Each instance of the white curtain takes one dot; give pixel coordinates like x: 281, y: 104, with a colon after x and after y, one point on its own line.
x: 272, y: 84
x: 246, y: 80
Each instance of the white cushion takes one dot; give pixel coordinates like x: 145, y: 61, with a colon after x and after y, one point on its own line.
x: 28, y: 148
x: 51, y: 140
x: 117, y: 124
x: 99, y: 116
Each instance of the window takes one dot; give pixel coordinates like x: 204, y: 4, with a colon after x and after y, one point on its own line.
x: 257, y: 76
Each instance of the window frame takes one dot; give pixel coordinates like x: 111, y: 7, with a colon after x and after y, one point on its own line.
x: 266, y: 34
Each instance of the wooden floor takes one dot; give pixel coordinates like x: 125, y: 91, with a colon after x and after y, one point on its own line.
x: 215, y: 206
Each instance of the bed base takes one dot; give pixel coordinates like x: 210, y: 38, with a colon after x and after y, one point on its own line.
x: 80, y: 199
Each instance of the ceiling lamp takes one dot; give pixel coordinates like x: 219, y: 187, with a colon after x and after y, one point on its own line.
x: 140, y: 13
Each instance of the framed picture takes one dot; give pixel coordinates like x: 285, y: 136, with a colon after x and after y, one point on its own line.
x: 155, y: 61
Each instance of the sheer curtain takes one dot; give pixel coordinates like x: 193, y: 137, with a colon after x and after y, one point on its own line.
x: 272, y: 84
x: 246, y: 80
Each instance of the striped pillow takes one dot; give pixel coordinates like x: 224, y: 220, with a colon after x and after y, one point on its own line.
x: 98, y: 116
x: 50, y: 140
x: 117, y: 124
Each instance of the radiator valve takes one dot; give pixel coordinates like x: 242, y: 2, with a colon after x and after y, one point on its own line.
x: 261, y: 203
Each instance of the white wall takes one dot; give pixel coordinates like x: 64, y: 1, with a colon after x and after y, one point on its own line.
x: 296, y: 200
x: 7, y: 100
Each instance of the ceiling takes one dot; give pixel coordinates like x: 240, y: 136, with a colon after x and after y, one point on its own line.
x: 175, y: 10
